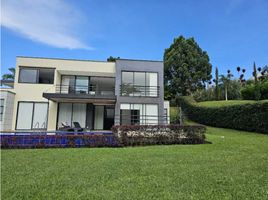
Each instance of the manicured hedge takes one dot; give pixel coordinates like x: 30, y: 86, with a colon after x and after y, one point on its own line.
x: 248, y: 117
x: 159, y: 134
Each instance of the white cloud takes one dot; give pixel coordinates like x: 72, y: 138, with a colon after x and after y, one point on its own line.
x: 52, y: 22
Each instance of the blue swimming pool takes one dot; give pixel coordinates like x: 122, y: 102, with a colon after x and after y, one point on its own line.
x: 57, y: 139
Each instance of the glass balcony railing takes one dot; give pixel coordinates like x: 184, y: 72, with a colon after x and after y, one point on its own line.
x: 82, y: 89
x: 137, y: 90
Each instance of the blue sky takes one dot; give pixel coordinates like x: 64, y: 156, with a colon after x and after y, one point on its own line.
x: 233, y: 32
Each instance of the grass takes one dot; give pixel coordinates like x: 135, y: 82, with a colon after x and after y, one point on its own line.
x: 227, y: 103
x: 232, y: 167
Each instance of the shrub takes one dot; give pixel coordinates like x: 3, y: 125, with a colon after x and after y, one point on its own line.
x: 174, y: 115
x: 233, y: 92
x: 248, y: 92
x: 205, y: 94
x: 159, y: 134
x: 264, y: 90
x: 248, y: 117
x: 255, y: 92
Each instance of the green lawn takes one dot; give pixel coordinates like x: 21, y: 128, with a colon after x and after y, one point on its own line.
x: 226, y: 103
x: 232, y: 167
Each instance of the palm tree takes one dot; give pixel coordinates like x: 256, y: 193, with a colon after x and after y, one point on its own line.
x: 225, y: 80
x: 217, y: 84
x: 9, y: 76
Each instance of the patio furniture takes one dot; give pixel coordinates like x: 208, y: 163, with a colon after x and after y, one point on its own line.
x: 66, y: 127
x: 77, y: 127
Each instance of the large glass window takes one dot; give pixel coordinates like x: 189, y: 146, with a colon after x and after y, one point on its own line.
x: 79, y: 113
x: 40, y: 116
x: 93, y: 85
x: 65, y: 114
x: 72, y: 112
x: 32, y: 115
x: 67, y: 84
x: 138, y: 114
x: 151, y: 84
x: 81, y: 85
x: 1, y: 109
x: 46, y: 76
x: 28, y: 76
x: 36, y: 75
x: 139, y: 84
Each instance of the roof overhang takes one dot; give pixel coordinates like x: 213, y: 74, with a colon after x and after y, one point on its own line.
x: 80, y: 98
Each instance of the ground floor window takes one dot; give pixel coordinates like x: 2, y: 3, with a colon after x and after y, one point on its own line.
x: 32, y: 115
x: 138, y: 114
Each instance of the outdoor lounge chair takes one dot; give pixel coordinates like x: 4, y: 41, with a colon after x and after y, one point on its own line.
x: 77, y: 127
x: 66, y: 127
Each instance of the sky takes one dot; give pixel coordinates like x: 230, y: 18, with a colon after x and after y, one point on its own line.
x: 232, y: 32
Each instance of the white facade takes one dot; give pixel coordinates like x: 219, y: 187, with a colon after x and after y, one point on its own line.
x: 7, y: 105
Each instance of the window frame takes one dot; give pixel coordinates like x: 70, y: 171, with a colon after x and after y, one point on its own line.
x: 147, y: 93
x: 32, y: 117
x: 37, y: 74
x: 144, y: 117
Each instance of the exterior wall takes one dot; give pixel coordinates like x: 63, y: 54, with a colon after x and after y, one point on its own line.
x: 8, y: 96
x: 142, y: 66
x: 34, y: 92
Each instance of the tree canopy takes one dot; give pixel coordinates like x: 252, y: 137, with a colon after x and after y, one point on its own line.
x: 186, y: 67
x: 112, y: 59
x: 9, y: 76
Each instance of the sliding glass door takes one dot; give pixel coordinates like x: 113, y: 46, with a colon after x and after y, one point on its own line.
x: 89, y: 116
x: 98, y: 120
x: 81, y: 84
x: 32, y: 115
x: 72, y: 112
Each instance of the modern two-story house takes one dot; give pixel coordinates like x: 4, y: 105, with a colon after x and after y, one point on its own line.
x: 50, y: 92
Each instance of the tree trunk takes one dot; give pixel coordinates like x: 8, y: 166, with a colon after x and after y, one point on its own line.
x: 226, y: 96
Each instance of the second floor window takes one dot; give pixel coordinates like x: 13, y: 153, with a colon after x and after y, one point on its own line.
x: 139, y: 84
x: 36, y: 75
x: 72, y: 84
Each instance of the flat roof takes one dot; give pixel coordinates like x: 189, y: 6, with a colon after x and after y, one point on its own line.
x: 86, y: 59
x: 139, y: 60
x: 60, y: 59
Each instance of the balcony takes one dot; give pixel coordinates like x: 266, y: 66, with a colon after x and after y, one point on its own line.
x: 82, y: 93
x: 139, y: 91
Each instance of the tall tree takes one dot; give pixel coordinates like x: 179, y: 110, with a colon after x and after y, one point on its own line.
x: 255, y: 73
x: 217, y: 90
x: 186, y: 67
x: 9, y: 76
